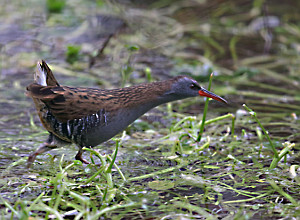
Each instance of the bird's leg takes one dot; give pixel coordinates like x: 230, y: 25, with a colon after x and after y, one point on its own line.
x: 44, y: 148
x: 48, y: 145
x: 79, y: 156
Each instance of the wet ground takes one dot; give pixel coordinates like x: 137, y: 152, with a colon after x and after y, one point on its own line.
x: 253, y: 50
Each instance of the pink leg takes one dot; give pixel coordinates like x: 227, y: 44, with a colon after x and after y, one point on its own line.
x: 44, y: 148
x: 79, y: 156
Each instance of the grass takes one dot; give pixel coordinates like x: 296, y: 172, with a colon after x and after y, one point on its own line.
x: 55, y: 6
x: 181, y: 160
x: 95, y: 191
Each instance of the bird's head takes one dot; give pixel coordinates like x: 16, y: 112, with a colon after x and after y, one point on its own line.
x: 184, y: 87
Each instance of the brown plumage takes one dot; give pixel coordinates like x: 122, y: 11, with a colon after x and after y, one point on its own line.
x: 67, y: 103
x: 89, y: 116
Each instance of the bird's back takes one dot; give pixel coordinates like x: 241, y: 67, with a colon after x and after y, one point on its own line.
x: 87, y: 116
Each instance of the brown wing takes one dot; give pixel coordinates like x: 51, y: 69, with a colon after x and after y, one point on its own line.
x: 66, y: 103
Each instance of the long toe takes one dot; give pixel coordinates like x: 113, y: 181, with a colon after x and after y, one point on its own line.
x: 31, y: 159
x: 44, y: 148
x: 79, y: 157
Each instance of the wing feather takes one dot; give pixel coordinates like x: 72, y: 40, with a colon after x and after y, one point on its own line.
x: 65, y: 103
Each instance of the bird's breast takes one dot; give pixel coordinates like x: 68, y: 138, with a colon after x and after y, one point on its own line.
x: 96, y: 128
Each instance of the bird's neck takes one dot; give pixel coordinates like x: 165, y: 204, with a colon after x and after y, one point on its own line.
x: 147, y: 96
x: 137, y: 100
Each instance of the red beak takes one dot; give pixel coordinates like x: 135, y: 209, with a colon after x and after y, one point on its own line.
x: 204, y: 92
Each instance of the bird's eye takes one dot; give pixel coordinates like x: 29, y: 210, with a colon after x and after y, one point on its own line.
x: 193, y: 86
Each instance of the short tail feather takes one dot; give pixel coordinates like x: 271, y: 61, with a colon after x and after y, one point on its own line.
x: 44, y: 76
x: 44, y: 81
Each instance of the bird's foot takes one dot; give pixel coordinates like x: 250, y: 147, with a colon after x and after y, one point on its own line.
x: 79, y: 156
x: 44, y: 148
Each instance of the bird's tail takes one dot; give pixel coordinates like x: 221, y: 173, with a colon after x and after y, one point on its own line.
x: 44, y: 76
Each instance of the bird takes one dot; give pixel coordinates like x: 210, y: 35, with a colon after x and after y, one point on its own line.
x: 88, y: 117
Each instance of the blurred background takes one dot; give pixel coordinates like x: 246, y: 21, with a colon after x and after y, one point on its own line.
x: 252, y: 47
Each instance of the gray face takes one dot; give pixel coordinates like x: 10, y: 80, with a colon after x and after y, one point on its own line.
x: 185, y: 87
